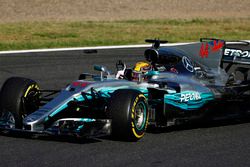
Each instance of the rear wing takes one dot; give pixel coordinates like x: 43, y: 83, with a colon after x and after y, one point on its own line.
x: 236, y: 52
x: 214, y: 53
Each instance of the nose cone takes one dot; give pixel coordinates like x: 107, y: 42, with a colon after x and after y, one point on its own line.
x: 34, y: 117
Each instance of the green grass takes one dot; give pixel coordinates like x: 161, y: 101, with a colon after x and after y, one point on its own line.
x: 32, y: 35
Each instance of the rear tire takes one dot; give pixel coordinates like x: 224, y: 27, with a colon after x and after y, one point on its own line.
x: 18, y: 98
x: 129, y: 112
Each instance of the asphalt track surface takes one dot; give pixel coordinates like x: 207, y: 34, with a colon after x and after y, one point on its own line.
x: 213, y: 144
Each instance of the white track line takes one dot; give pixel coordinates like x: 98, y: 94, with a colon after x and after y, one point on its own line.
x: 84, y: 48
x: 90, y: 48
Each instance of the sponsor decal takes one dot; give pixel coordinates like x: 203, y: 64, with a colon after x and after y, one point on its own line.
x: 204, y: 51
x: 187, y: 64
x: 188, y: 100
x: 237, y: 53
x: 190, y: 96
x: 212, y: 46
x: 217, y: 46
x: 80, y: 84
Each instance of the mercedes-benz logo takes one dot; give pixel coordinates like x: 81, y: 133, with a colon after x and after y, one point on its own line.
x: 187, y: 64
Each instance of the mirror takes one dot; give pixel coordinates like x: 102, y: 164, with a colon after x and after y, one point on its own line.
x: 99, y: 68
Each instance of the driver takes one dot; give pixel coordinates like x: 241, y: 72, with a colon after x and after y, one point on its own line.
x: 140, y: 68
x: 131, y: 74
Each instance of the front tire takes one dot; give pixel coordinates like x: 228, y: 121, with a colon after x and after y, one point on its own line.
x: 18, y: 98
x: 129, y: 112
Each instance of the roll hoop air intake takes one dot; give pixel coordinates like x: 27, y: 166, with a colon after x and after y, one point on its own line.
x: 152, y: 54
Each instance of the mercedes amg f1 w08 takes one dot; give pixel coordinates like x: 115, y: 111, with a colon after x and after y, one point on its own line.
x: 173, y: 85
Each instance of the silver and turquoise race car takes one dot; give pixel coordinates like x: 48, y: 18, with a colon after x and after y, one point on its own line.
x: 203, y: 80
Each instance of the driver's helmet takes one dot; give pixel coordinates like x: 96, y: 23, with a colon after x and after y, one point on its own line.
x: 140, y: 68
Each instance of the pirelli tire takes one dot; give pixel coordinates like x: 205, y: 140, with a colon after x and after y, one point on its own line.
x: 129, y: 113
x: 18, y: 98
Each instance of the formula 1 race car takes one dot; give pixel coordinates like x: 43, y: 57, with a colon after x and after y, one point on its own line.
x: 174, y: 85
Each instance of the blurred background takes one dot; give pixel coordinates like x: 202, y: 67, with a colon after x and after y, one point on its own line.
x: 29, y: 24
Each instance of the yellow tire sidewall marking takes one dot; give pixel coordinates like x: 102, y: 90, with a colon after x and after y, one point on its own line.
x: 29, y: 88
x: 133, y: 116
